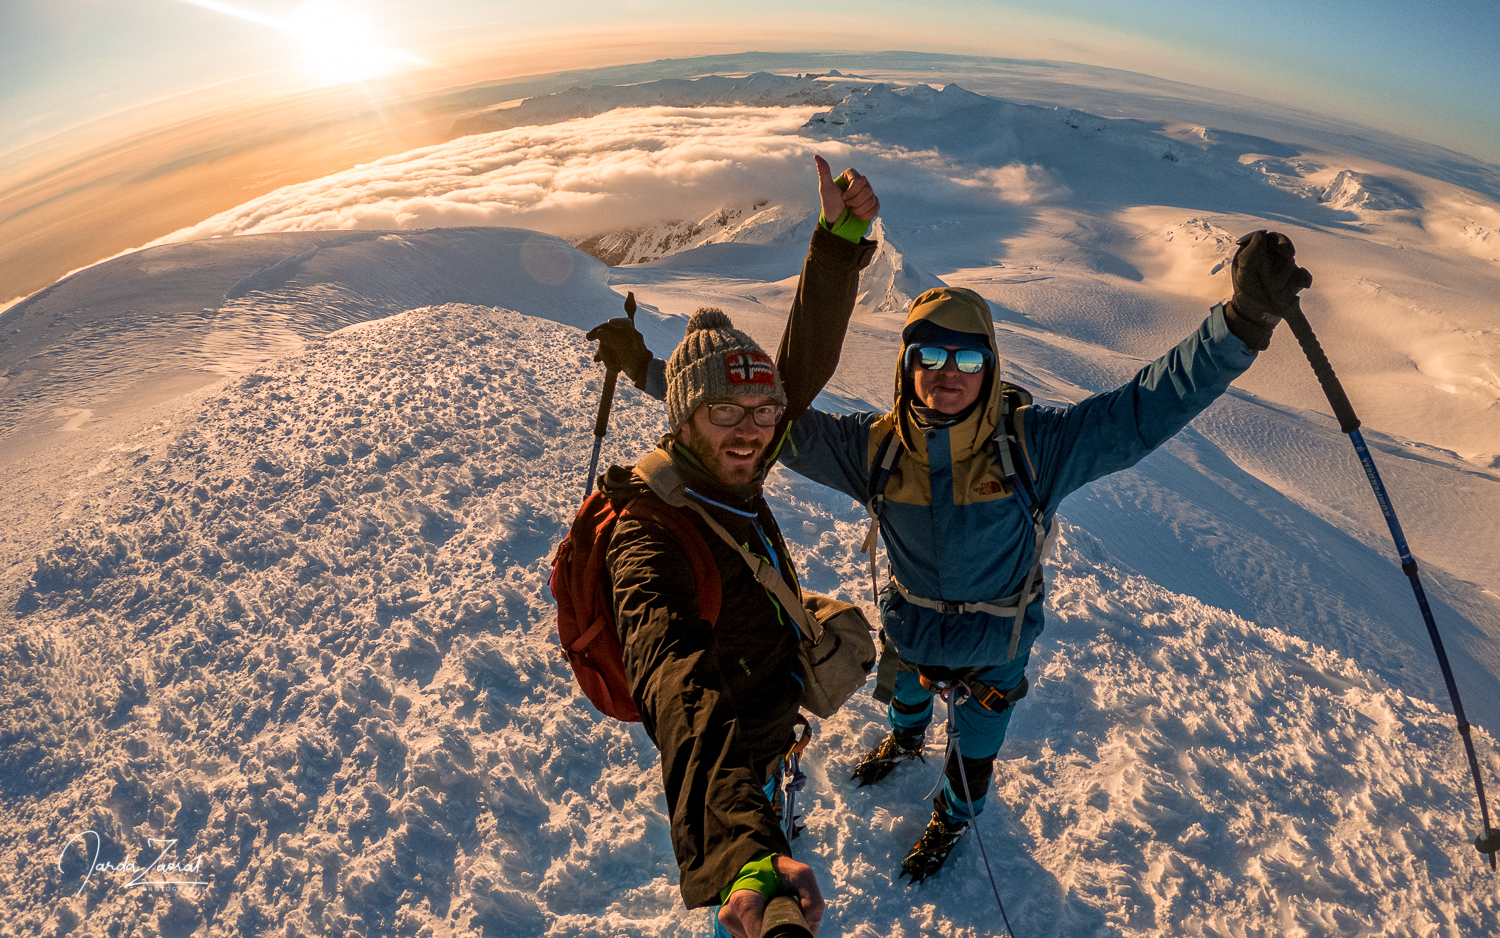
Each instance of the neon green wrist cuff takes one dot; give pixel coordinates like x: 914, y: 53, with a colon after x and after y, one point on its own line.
x: 848, y: 226
x: 759, y: 874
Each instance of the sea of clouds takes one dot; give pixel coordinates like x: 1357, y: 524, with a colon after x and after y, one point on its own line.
x: 626, y: 167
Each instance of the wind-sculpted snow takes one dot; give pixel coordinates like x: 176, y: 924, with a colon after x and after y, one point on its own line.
x: 308, y: 638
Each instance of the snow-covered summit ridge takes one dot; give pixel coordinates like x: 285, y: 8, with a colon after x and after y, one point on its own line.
x: 1354, y: 191
x: 1030, y: 134
x: 223, y: 306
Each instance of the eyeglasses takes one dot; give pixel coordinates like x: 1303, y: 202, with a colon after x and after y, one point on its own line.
x: 935, y: 358
x: 730, y: 415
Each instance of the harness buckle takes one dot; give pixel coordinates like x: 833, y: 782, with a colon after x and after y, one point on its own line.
x: 992, y: 698
x: 989, y: 698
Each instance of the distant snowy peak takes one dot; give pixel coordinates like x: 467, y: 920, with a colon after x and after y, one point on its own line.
x: 1204, y: 245
x: 760, y: 89
x: 883, y: 102
x: 1052, y: 136
x: 890, y: 283
x: 760, y: 222
x: 1357, y: 191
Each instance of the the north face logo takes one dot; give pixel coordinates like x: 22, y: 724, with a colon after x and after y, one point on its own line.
x: 989, y: 487
x: 749, y: 368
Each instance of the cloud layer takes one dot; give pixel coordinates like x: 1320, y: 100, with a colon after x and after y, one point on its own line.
x: 625, y: 167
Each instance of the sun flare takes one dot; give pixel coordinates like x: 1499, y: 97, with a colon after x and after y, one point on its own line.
x: 339, y: 45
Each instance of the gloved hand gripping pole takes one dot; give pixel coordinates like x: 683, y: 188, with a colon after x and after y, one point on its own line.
x: 602, y: 421
x: 1488, y: 841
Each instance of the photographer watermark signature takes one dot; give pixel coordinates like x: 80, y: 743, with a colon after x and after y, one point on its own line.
x: 161, y: 866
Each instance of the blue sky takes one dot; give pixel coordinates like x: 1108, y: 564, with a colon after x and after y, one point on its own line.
x: 1424, y: 70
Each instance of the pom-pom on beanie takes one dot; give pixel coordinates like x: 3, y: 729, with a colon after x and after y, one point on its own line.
x: 715, y: 361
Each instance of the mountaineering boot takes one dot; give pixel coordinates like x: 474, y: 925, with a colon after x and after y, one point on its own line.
x: 929, y: 853
x: 878, y: 762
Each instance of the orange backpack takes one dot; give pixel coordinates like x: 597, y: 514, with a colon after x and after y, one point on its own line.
x: 585, y: 608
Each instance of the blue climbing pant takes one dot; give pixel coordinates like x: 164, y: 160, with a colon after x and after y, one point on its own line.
x: 980, y: 730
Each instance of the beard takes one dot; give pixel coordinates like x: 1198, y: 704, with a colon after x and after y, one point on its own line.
x: 715, y: 458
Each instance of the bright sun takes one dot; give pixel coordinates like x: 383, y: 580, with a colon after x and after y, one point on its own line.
x: 338, y: 45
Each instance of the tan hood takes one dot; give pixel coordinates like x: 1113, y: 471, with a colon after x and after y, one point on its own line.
x: 961, y: 310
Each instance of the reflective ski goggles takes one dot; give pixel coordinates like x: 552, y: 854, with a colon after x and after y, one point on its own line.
x: 935, y: 358
x: 730, y: 415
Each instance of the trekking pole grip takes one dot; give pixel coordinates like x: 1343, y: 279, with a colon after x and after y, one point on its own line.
x: 610, y: 374
x: 608, y: 398
x: 601, y: 422
x: 784, y: 919
x: 1332, y: 388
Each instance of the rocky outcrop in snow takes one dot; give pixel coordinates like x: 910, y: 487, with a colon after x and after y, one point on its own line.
x: 758, y: 223
x: 890, y: 283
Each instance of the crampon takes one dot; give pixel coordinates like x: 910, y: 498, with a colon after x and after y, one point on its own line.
x: 931, y: 852
x: 879, y: 762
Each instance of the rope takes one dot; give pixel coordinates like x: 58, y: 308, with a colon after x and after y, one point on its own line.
x: 952, y: 705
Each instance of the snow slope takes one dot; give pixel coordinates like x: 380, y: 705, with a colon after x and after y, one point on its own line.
x: 305, y: 631
x: 280, y: 594
x: 196, y: 312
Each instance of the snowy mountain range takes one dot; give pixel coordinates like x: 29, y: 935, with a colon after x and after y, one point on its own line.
x: 282, y: 503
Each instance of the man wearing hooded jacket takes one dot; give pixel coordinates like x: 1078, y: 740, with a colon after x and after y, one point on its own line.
x: 957, y: 530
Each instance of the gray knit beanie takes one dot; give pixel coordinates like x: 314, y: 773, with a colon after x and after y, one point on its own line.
x: 716, y: 361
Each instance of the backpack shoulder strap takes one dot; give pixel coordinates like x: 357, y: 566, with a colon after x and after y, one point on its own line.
x: 1008, y: 449
x: 705, y: 570
x: 658, y: 472
x: 886, y: 456
x: 881, y: 467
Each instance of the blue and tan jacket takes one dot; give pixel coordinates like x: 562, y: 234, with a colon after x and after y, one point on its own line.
x: 953, y: 529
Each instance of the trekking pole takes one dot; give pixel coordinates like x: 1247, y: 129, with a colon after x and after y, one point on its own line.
x: 608, y: 398
x: 1488, y: 841
x: 784, y: 919
x: 951, y: 698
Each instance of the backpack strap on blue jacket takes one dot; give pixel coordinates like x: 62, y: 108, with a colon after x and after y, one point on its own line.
x: 885, y: 463
x: 1008, y: 451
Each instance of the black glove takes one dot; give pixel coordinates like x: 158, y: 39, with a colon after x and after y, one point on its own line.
x: 1266, y: 282
x: 621, y: 348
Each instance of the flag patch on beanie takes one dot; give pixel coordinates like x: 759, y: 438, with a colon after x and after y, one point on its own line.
x: 749, y: 368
